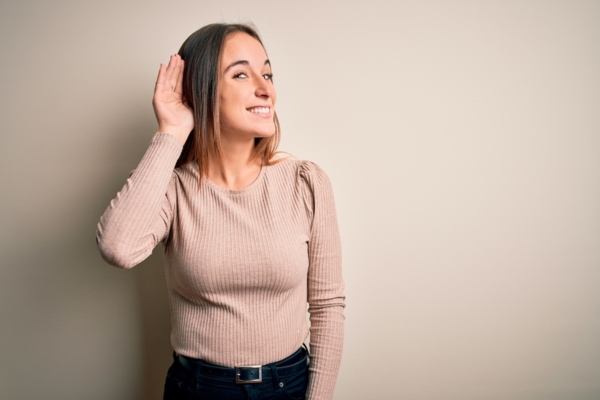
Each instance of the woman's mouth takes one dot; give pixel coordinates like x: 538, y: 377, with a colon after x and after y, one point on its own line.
x: 260, y: 110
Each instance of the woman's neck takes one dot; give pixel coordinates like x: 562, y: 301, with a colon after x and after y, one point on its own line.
x: 237, y: 169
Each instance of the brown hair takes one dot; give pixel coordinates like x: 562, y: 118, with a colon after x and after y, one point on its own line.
x: 201, y: 53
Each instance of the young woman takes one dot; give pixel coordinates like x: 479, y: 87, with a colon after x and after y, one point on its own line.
x: 249, y: 239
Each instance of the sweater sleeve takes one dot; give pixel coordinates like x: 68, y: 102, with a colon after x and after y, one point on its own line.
x: 325, y: 286
x: 141, y: 214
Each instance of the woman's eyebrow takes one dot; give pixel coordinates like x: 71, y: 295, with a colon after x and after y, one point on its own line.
x: 243, y: 62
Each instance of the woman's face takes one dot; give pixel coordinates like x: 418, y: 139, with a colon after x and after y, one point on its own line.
x: 246, y: 93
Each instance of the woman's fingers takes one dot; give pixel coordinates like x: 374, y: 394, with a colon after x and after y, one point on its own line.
x: 170, y: 79
x: 172, y: 73
x: 165, y: 77
x: 174, y: 70
x: 160, y: 79
x: 172, y: 112
x: 179, y: 80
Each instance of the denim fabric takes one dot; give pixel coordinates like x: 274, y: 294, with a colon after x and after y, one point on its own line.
x: 182, y: 383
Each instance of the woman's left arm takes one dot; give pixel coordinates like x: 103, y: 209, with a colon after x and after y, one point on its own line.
x: 325, y: 288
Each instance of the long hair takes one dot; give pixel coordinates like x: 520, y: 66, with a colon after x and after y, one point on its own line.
x: 201, y: 53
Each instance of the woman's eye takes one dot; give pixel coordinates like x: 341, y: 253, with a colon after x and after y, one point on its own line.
x: 240, y: 75
x: 268, y: 77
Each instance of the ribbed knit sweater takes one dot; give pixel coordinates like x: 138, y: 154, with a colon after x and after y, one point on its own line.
x: 241, y: 265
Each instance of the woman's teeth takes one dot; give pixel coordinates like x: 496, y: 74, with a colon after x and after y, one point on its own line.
x: 259, y: 110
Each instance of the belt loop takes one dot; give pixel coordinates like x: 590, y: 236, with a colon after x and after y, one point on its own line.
x: 196, y: 381
x: 307, y: 352
x: 274, y: 376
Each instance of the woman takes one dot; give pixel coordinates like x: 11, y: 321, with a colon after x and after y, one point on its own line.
x: 248, y: 238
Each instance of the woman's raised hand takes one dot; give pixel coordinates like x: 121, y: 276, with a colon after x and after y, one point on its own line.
x: 172, y: 111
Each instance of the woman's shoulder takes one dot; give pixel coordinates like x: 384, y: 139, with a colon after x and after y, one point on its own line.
x: 303, y: 172
x: 302, y: 168
x: 186, y: 173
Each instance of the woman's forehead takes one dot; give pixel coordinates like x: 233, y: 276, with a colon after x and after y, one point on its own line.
x: 241, y: 46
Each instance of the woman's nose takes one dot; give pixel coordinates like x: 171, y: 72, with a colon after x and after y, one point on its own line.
x: 264, y: 88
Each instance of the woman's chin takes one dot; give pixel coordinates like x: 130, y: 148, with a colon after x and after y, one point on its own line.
x: 264, y: 133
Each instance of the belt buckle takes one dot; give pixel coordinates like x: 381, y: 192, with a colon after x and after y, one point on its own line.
x: 238, y: 374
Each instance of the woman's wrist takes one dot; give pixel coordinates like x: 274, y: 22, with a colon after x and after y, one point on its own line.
x: 180, y: 134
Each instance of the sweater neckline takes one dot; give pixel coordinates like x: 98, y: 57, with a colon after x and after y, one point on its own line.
x: 237, y: 191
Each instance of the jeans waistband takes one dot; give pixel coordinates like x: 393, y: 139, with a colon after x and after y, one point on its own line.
x: 248, y: 374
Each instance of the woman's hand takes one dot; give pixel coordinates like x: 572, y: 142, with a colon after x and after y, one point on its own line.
x: 172, y: 111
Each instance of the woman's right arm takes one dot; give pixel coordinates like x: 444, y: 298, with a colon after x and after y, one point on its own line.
x: 140, y: 216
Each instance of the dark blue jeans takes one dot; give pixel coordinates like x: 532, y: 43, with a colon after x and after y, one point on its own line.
x: 198, y: 380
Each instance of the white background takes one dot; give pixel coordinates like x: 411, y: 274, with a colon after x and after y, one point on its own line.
x: 463, y: 142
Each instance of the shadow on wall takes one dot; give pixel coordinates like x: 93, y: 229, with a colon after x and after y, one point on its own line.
x: 84, y: 329
x: 156, y: 326
x: 81, y: 327
x: 152, y: 301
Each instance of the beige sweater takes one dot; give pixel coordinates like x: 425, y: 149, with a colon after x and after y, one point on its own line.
x: 241, y: 265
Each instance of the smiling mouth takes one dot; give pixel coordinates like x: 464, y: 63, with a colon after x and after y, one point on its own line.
x: 259, y: 110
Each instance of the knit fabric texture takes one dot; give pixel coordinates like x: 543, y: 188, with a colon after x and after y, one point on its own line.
x: 242, y: 266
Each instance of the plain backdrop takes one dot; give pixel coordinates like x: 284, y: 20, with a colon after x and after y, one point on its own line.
x: 463, y: 142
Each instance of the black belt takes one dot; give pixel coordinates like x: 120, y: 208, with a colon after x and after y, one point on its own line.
x: 248, y: 373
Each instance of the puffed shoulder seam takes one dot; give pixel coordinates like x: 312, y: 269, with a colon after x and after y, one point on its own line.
x: 309, y: 169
